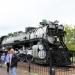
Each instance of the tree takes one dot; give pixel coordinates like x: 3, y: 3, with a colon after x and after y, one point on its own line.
x: 70, y: 37
x: 10, y: 34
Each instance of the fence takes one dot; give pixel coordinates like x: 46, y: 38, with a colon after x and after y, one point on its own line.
x: 47, y: 70
x: 73, y: 57
x: 67, y: 70
x: 70, y: 70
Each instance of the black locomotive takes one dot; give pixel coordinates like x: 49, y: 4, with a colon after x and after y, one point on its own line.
x: 43, y: 43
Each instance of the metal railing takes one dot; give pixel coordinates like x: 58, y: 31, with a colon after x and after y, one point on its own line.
x: 67, y: 70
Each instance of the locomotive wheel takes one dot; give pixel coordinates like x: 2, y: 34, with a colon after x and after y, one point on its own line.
x: 22, y: 57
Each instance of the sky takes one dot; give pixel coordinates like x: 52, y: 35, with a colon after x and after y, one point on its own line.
x: 15, y: 15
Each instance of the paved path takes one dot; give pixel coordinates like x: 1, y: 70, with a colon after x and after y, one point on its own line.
x: 20, y: 71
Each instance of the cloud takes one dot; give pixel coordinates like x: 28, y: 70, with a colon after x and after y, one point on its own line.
x: 15, y: 15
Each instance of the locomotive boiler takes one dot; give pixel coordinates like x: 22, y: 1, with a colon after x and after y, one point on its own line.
x: 41, y: 42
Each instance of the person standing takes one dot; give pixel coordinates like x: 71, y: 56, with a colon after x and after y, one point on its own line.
x: 2, y: 59
x: 13, y: 62
x: 7, y: 58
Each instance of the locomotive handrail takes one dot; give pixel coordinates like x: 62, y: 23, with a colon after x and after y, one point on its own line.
x: 63, y: 44
x: 19, y: 42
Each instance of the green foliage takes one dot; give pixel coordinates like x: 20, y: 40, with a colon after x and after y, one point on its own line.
x: 71, y: 47
x: 70, y: 37
x: 10, y: 34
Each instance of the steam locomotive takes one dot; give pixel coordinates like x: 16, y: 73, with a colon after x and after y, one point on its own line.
x: 43, y: 43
